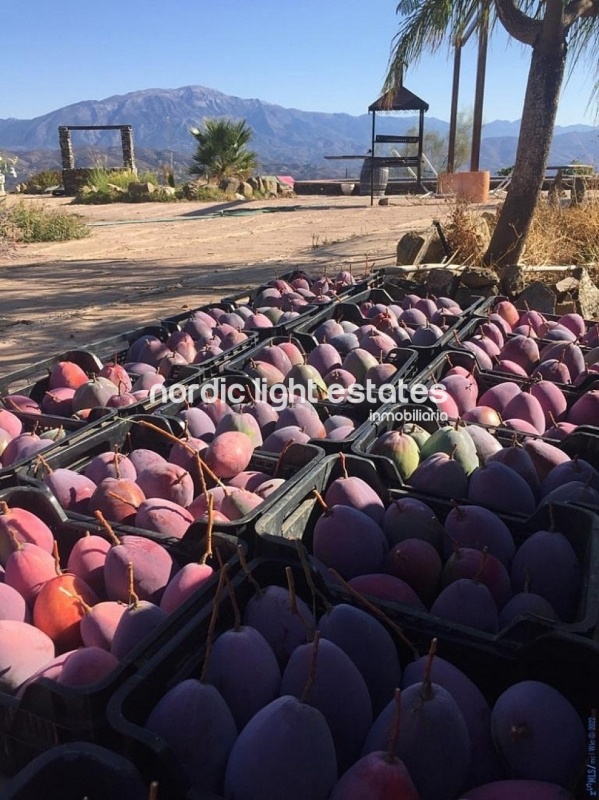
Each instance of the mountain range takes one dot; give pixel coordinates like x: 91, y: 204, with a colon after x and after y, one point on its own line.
x: 287, y: 140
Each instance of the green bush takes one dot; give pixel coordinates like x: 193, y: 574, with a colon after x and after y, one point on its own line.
x: 106, y: 186
x: 38, y: 183
x: 203, y: 193
x: 92, y: 197
x: 29, y: 222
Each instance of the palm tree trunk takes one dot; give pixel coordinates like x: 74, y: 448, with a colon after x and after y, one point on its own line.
x: 536, y: 132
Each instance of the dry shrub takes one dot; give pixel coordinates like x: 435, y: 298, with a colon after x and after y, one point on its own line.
x: 559, y: 235
x: 468, y: 233
x: 564, y: 234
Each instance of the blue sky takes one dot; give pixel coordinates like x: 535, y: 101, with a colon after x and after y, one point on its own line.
x: 316, y: 55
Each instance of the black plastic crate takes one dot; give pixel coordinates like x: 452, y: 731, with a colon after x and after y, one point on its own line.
x: 183, y: 658
x: 359, y: 413
x: 303, y: 341
x: 248, y: 298
x: 293, y: 519
x: 127, y: 434
x: 395, y: 282
x: 403, y: 358
x: 29, y: 380
x: 485, y: 379
x: 492, y: 302
x: 590, y: 381
x: 567, y: 663
x: 33, y: 381
x: 49, y: 713
x: 211, y: 366
x: 350, y: 311
x: 62, y: 431
x: 583, y: 442
x: 77, y: 770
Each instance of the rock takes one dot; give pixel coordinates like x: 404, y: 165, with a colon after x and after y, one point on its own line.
x: 384, y: 201
x: 588, y: 295
x: 412, y: 246
x: 513, y: 280
x: 490, y: 218
x: 567, y: 285
x: 481, y: 231
x: 170, y: 191
x: 441, y: 281
x: 246, y: 190
x: 284, y: 189
x: 477, y: 277
x: 435, y: 252
x: 229, y: 185
x: 116, y: 189
x: 566, y: 307
x: 539, y: 297
x: 140, y: 189
x: 270, y: 184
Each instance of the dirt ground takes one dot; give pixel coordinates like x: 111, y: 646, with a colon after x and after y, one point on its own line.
x: 146, y: 261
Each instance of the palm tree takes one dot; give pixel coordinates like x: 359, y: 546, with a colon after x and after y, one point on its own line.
x: 554, y: 29
x: 222, y: 150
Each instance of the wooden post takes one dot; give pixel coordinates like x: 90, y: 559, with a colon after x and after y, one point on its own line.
x: 420, y: 149
x: 372, y: 161
x: 479, y: 95
x: 453, y: 118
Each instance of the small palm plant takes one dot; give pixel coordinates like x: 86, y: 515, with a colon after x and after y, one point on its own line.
x: 222, y: 150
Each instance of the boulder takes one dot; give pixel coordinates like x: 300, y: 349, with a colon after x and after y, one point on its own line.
x: 479, y: 277
x: 140, y: 188
x: 270, y: 184
x: 441, y: 282
x: 413, y: 245
x: 588, y: 295
x: 229, y: 185
x: 539, y: 297
x: 513, y: 280
x: 567, y: 285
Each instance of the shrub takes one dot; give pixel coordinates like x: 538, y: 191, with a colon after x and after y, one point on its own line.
x: 29, y: 222
x: 206, y: 193
x: 101, y: 179
x: 111, y: 186
x: 38, y: 183
x: 221, y: 150
x: 558, y: 235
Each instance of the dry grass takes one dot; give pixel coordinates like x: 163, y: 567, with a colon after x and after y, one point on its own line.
x: 559, y: 235
x: 468, y: 233
x: 564, y: 235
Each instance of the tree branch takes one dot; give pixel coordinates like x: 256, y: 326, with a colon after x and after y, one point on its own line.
x: 580, y: 8
x: 554, y: 29
x: 522, y: 27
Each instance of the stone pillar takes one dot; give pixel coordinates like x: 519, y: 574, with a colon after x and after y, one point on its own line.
x: 127, y: 145
x: 66, y: 148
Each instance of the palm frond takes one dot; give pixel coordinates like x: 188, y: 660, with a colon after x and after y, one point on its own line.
x: 425, y: 27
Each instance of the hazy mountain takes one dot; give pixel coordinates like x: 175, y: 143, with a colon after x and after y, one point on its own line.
x: 287, y: 140
x: 503, y: 127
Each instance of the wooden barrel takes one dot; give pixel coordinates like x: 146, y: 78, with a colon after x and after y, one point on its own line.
x: 378, y: 175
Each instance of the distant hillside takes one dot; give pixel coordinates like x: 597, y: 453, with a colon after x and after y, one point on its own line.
x: 287, y: 140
